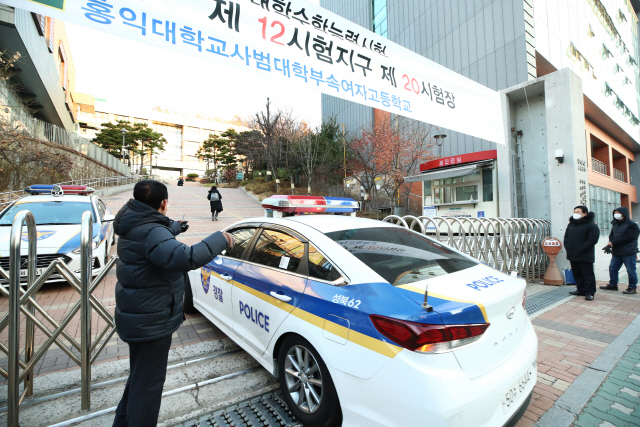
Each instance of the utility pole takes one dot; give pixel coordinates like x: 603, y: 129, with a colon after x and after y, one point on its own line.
x: 344, y: 145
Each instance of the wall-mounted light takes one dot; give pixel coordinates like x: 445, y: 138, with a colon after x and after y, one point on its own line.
x: 559, y: 156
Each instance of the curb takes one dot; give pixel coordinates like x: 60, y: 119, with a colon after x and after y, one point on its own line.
x: 566, y: 409
x: 251, y: 195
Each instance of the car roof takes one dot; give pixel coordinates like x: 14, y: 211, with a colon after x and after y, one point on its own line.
x: 330, y: 223
x: 51, y: 198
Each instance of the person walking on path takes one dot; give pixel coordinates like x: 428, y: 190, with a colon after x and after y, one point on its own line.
x: 580, y: 240
x: 215, y: 201
x: 623, y: 241
x: 152, y: 273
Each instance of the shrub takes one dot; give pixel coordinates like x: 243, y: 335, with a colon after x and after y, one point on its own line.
x: 260, y: 179
x: 189, y: 179
x: 192, y: 175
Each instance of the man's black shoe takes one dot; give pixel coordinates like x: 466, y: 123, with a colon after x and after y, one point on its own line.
x: 589, y: 298
x: 630, y: 291
x: 576, y: 293
x: 609, y: 288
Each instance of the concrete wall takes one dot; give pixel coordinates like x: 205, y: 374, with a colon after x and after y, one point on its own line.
x: 555, y: 122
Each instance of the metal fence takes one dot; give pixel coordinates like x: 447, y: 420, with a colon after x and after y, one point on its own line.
x: 506, y: 244
x: 618, y: 175
x: 42, y: 130
x: 598, y: 166
x: 95, y: 183
x: 21, y: 301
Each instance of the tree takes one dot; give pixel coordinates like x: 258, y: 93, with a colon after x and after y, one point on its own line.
x: 269, y: 124
x: 110, y: 138
x: 248, y: 147
x: 316, y: 148
x: 218, y: 151
x: 146, y: 140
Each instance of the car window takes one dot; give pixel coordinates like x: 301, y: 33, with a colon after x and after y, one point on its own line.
x: 57, y: 212
x: 399, y: 255
x: 278, y: 249
x: 101, y: 209
x: 320, y: 267
x: 241, y: 238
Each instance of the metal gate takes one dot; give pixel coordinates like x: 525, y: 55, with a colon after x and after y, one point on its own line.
x: 506, y: 244
x: 22, y: 301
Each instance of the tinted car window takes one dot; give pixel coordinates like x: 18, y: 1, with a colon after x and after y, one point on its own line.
x: 399, y: 255
x: 320, y: 267
x: 50, y: 213
x: 241, y: 238
x: 278, y: 249
x: 101, y: 209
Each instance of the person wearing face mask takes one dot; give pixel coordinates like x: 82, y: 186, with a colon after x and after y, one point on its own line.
x: 623, y: 241
x: 579, y: 241
x: 152, y: 274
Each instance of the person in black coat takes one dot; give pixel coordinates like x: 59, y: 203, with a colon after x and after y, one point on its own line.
x: 579, y: 241
x: 623, y: 241
x: 152, y: 271
x: 215, y: 201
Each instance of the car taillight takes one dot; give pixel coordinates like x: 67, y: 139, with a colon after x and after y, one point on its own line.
x: 427, y: 338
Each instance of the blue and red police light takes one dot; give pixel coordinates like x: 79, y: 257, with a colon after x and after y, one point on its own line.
x: 58, y: 190
x: 310, y: 204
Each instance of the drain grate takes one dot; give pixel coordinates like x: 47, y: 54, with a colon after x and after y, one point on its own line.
x: 268, y: 410
x: 540, y: 301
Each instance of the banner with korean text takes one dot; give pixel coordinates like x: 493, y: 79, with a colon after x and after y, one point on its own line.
x: 301, y: 43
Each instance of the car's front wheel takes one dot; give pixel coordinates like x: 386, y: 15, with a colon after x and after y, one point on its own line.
x: 306, y: 384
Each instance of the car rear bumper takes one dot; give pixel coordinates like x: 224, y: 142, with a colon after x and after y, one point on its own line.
x: 420, y: 389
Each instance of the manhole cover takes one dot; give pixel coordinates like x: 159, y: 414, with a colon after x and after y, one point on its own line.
x: 545, y: 299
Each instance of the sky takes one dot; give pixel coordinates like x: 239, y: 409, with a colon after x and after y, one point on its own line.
x: 137, y: 77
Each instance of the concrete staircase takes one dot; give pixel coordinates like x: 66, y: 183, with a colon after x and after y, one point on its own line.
x: 201, y: 377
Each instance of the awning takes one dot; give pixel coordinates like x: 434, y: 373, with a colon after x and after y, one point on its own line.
x: 448, y: 173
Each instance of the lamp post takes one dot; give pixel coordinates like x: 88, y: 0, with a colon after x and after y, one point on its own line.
x: 124, y: 132
x: 440, y: 140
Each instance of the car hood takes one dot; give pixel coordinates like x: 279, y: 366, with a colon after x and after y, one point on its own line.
x: 50, y: 238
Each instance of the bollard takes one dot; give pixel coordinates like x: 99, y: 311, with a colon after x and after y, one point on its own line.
x: 14, y: 398
x: 86, y: 243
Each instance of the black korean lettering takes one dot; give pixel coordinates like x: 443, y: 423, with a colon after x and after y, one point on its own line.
x: 364, y: 67
x: 263, y: 3
x: 301, y: 14
x: 230, y: 21
x: 341, y: 57
x: 388, y: 73
x: 294, y: 40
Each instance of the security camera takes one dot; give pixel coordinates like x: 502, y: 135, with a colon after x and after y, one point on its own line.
x: 559, y: 156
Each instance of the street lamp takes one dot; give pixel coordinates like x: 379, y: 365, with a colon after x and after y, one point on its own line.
x: 124, y: 132
x: 440, y: 140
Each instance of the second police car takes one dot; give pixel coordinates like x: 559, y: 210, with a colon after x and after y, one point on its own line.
x: 58, y: 211
x: 334, y: 306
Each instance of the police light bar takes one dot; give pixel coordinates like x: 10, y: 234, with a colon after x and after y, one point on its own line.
x: 58, y: 190
x: 310, y: 204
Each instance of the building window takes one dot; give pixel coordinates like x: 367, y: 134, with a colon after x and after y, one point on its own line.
x: 626, y: 81
x: 632, y: 62
x: 51, y: 34
x: 459, y: 189
x: 621, y: 17
x: 380, y: 17
x: 606, y: 53
x: 487, y: 185
x: 62, y: 67
x: 603, y: 202
x: 590, y: 32
x: 617, y: 69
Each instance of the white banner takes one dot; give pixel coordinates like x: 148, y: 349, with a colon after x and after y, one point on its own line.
x: 301, y: 43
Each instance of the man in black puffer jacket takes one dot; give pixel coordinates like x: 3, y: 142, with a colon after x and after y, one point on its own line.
x: 623, y: 240
x: 151, y: 272
x: 579, y: 241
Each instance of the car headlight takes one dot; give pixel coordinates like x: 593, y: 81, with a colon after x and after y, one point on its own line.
x: 78, y: 250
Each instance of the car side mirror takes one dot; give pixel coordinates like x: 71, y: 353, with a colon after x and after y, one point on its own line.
x: 108, y: 218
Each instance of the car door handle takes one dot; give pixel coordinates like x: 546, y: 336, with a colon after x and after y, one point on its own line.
x: 281, y: 297
x: 225, y: 277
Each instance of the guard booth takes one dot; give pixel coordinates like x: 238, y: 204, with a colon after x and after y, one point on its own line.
x: 460, y: 186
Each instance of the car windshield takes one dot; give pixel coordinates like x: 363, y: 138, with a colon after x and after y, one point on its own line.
x: 58, y: 212
x: 400, y: 256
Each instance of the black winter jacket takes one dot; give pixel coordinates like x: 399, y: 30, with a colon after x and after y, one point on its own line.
x: 580, y: 239
x: 151, y: 271
x: 216, y: 206
x: 624, y: 235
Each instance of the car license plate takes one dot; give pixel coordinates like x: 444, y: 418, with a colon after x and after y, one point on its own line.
x: 24, y: 273
x: 513, y: 395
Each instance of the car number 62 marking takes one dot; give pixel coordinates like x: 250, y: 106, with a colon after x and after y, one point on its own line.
x: 344, y: 300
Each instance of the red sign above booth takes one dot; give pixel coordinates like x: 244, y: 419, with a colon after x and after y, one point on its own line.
x: 459, y: 160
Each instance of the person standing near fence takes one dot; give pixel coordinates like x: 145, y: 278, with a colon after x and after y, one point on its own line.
x: 215, y: 201
x: 623, y: 241
x: 152, y: 274
x: 580, y: 241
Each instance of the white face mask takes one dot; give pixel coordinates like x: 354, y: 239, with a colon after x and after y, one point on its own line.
x: 617, y: 216
x: 577, y: 216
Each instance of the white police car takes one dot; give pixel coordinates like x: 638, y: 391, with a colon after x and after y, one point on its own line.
x: 58, y: 228
x: 335, y: 307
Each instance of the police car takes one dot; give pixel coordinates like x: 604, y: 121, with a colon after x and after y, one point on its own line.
x: 371, y: 324
x: 58, y: 211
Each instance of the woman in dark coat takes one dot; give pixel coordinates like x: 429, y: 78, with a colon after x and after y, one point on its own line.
x: 580, y: 240
x: 215, y: 201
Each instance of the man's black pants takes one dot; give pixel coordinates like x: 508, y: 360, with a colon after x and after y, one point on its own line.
x: 140, y: 402
x: 584, y: 276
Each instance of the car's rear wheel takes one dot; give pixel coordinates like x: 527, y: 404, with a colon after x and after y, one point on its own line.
x: 306, y: 384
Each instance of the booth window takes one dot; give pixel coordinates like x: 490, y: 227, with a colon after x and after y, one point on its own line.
x: 458, y: 189
x: 487, y: 185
